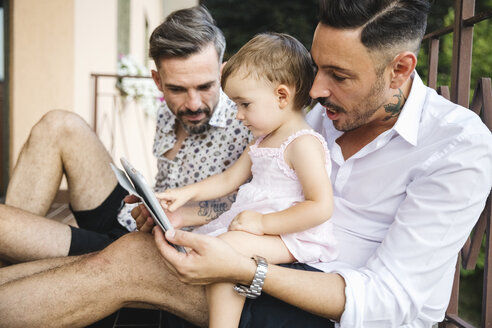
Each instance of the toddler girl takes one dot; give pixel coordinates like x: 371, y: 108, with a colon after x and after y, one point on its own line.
x: 283, y: 213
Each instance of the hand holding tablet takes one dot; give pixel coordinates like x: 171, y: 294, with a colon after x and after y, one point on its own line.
x: 136, y: 185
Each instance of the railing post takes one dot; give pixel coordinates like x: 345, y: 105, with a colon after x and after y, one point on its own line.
x: 95, y: 101
x: 433, y: 62
x: 487, y: 273
x: 462, y: 53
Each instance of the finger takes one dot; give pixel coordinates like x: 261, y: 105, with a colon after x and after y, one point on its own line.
x: 130, y: 199
x: 173, y: 207
x: 167, y: 251
x: 163, y: 203
x: 144, y: 211
x: 147, y: 226
x: 135, y: 212
x: 191, y: 240
x: 233, y: 225
x: 165, y: 195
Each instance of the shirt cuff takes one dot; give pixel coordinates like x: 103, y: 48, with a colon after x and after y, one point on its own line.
x: 354, y: 290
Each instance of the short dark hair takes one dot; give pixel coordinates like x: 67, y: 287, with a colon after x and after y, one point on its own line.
x: 277, y: 58
x: 184, y: 33
x: 385, y: 23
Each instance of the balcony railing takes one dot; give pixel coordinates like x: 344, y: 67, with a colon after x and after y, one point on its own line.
x: 462, y: 30
x: 123, y: 125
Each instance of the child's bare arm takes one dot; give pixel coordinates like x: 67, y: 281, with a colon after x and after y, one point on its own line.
x: 306, y: 156
x: 213, y: 187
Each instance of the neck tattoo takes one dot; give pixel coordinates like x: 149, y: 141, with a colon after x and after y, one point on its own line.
x: 394, y: 110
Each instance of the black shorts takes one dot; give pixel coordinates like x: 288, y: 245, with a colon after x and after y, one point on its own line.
x: 267, y: 311
x: 98, y: 227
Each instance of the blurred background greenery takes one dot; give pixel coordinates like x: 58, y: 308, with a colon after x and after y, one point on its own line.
x: 241, y: 20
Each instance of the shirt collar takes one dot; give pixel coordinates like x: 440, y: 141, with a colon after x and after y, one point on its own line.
x: 219, y: 116
x: 407, y: 125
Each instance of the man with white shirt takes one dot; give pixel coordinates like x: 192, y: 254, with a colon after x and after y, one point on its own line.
x: 411, y: 173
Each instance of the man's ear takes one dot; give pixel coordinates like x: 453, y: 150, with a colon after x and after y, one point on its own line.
x: 221, y: 68
x: 157, y: 80
x: 283, y: 95
x: 402, y: 67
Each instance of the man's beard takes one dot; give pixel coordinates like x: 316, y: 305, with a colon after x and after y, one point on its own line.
x: 198, y: 127
x: 361, y: 113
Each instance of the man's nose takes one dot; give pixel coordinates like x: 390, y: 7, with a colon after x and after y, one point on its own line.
x: 193, y: 100
x: 320, y: 87
x: 239, y: 115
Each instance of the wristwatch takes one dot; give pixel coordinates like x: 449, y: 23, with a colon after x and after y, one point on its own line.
x: 254, y: 290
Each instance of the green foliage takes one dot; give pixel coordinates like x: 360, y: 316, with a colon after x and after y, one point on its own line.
x: 482, y: 47
x: 241, y: 20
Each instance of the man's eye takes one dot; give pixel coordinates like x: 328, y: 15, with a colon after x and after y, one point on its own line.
x: 204, y: 87
x: 175, y: 90
x: 338, y: 78
x: 244, y: 104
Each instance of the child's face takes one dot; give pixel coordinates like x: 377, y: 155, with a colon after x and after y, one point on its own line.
x: 257, y: 105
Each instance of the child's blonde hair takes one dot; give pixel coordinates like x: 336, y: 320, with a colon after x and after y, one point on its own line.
x: 278, y: 58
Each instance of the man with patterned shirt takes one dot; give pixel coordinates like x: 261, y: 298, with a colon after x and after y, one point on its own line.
x: 201, y: 155
x: 197, y: 136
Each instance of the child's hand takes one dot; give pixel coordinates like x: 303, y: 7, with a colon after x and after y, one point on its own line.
x: 172, y: 199
x: 248, y: 221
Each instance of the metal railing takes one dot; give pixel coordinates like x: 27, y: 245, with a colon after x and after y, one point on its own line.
x: 121, y: 123
x: 462, y: 30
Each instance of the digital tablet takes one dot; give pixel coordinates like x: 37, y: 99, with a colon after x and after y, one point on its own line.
x: 137, y: 186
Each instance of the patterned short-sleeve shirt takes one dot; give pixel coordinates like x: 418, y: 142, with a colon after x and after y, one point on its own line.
x: 200, y: 156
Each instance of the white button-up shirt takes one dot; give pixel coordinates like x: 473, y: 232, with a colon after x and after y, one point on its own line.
x: 404, y: 206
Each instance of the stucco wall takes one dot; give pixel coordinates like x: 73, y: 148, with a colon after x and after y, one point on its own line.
x: 42, y: 61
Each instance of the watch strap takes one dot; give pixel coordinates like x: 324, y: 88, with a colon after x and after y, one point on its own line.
x: 254, y: 290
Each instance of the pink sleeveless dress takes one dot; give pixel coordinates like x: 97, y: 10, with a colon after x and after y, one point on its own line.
x: 275, y: 187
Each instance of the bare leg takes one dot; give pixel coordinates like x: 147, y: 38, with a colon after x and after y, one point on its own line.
x: 225, y: 305
x: 61, y: 142
x: 22, y: 270
x: 27, y: 237
x: 128, y: 271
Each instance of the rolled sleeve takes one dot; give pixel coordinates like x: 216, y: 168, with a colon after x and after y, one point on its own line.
x: 416, y: 260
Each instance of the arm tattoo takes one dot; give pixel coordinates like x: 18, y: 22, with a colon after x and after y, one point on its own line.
x: 394, y: 109
x: 212, y: 209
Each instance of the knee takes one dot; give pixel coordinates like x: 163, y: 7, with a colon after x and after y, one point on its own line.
x: 6, y: 215
x: 3, y: 213
x: 129, y: 259
x: 58, y: 124
x: 133, y: 247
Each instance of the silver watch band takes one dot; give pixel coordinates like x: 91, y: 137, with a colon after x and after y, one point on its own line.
x: 254, y: 290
